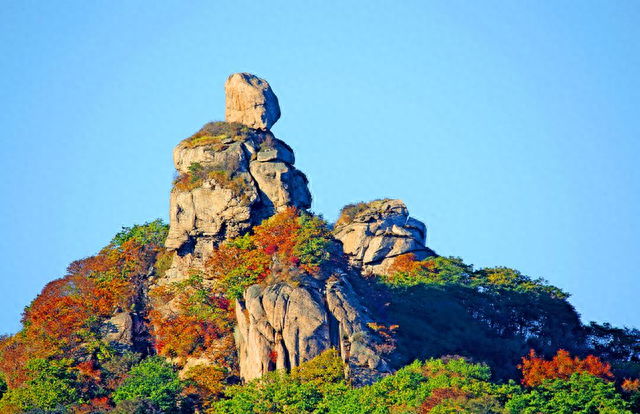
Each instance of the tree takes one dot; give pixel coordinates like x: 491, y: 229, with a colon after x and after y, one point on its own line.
x: 153, y: 380
x: 51, y: 385
x: 536, y: 370
x: 582, y: 393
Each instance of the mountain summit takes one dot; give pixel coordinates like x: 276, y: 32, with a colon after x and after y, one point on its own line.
x: 249, y: 303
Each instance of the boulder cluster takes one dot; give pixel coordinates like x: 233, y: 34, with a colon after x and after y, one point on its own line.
x: 373, y: 234
x: 232, y: 175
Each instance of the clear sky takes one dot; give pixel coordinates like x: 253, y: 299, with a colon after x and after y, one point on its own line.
x: 512, y: 128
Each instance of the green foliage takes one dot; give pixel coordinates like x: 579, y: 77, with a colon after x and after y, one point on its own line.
x: 441, y: 270
x: 314, y: 245
x: 150, y: 233
x: 306, y: 390
x: 154, y: 380
x: 52, y: 385
x: 582, y: 394
x: 496, y: 326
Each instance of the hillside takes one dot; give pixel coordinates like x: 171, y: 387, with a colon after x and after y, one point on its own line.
x: 247, y: 302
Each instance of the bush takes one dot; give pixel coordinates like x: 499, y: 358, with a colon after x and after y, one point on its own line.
x: 153, y: 380
x: 52, y: 386
x: 213, y: 133
x: 152, y: 233
x: 224, y: 177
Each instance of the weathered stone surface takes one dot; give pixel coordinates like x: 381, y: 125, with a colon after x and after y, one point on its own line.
x: 253, y: 177
x: 251, y: 101
x: 232, y: 156
x: 278, y: 151
x: 281, y: 326
x: 118, y: 330
x: 281, y: 185
x: 380, y: 231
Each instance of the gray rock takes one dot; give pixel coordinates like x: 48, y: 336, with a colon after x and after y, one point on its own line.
x: 281, y: 326
x: 118, y: 330
x: 379, y: 232
x: 250, y: 101
x: 278, y: 152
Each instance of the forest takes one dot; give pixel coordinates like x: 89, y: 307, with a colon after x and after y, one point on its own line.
x: 459, y: 339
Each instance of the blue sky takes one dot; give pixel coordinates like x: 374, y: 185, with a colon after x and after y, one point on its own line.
x: 511, y: 128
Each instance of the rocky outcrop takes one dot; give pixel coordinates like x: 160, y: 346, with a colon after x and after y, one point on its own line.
x: 282, y: 325
x: 251, y: 102
x: 373, y: 234
x: 231, y: 178
x: 118, y: 330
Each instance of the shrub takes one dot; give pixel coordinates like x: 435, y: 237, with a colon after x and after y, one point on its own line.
x: 213, y: 133
x: 224, y: 177
x: 291, y: 238
x: 536, y: 370
x: 153, y: 380
x: 51, y: 386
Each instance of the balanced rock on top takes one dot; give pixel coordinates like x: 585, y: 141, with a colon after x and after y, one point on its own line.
x: 251, y: 101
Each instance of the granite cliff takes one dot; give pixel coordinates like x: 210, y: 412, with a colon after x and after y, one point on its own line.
x: 234, y: 174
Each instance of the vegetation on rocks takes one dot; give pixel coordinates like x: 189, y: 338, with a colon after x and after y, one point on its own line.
x: 225, y: 178
x: 61, y: 362
x: 214, y: 133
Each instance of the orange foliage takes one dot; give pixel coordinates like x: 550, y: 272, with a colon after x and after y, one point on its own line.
x: 629, y: 385
x: 535, y: 370
x: 279, y: 235
x: 407, y: 263
x: 69, y: 312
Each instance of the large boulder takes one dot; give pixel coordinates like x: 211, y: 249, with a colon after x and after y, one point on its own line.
x: 373, y: 234
x: 282, y: 325
x: 250, y: 101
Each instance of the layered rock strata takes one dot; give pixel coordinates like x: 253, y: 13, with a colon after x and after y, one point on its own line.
x: 373, y: 234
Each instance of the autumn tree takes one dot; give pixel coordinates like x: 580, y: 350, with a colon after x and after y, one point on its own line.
x: 536, y: 370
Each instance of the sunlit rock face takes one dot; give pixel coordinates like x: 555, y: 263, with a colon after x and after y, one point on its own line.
x: 251, y: 102
x: 243, y: 180
x: 373, y: 234
x: 281, y: 325
x: 230, y: 177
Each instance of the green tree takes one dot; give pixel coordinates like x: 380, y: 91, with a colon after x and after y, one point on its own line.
x: 51, y: 386
x: 581, y: 394
x: 153, y: 380
x: 151, y: 233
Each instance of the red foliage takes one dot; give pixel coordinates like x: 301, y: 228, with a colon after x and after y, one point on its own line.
x: 278, y: 235
x: 439, y: 396
x: 273, y: 356
x: 535, y: 370
x: 69, y: 311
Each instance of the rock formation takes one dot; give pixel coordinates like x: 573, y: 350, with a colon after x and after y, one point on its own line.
x: 231, y: 176
x: 281, y: 326
x: 250, y: 101
x: 373, y: 234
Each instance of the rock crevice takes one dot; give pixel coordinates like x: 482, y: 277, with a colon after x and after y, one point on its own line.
x: 282, y: 325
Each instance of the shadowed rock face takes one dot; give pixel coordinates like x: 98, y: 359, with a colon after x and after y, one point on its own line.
x: 281, y: 326
x: 377, y: 232
x: 251, y: 102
